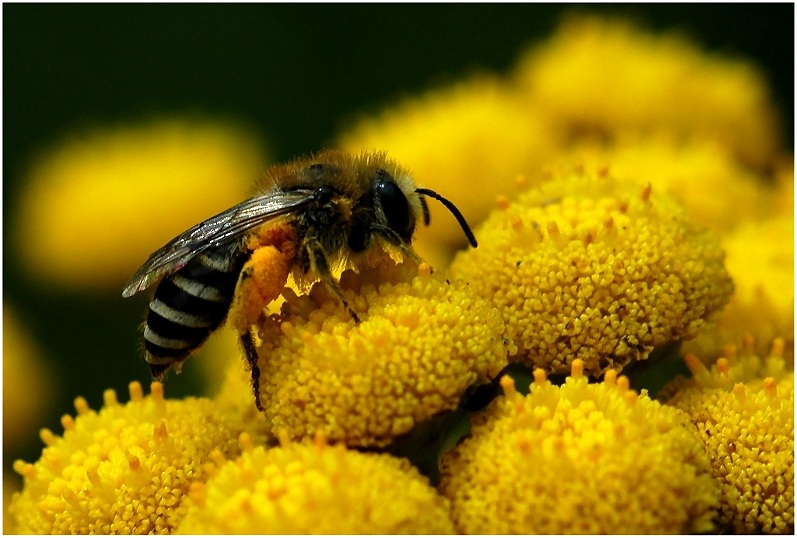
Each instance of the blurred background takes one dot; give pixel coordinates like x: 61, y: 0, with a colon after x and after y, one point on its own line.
x: 274, y: 82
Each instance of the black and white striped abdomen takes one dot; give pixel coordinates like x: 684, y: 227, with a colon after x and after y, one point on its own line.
x: 190, y: 304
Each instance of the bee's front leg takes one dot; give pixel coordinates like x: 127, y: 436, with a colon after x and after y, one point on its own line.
x: 318, y: 261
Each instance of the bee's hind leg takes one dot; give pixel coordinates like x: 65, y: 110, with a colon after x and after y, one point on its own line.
x: 260, y: 282
x: 250, y: 350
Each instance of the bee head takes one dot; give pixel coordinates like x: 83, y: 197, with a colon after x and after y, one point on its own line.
x: 401, y: 204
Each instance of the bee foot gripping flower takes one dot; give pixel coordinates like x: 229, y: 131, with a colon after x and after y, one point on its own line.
x: 579, y: 459
x: 586, y: 266
x: 743, y: 410
x: 315, y: 488
x: 126, y: 468
x: 421, y: 342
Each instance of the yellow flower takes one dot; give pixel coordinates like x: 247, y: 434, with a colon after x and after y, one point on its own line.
x: 605, y: 76
x: 593, y: 268
x: 98, y: 205
x: 743, y: 410
x: 760, y: 259
x: 716, y: 190
x: 581, y: 458
x: 422, y: 341
x: 27, y: 382
x: 124, y: 469
x: 468, y: 142
x: 315, y: 489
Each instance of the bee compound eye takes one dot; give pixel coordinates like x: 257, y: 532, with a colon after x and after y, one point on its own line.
x: 395, y: 207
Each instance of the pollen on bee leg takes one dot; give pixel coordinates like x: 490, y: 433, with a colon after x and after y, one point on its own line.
x: 261, y: 281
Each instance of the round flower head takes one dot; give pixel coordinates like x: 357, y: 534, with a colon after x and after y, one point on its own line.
x: 760, y: 259
x: 716, y: 190
x: 743, y: 410
x: 28, y: 382
x: 95, y: 207
x: 467, y: 142
x: 313, y: 488
x: 590, y: 267
x: 422, y: 341
x: 605, y: 76
x: 124, y: 469
x: 579, y: 459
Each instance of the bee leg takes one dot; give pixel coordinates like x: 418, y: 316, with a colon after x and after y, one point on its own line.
x: 250, y: 349
x: 318, y: 260
x: 261, y: 281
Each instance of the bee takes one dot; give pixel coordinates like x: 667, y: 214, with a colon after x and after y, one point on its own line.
x: 319, y: 213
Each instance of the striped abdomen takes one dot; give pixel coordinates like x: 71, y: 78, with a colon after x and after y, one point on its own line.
x: 190, y: 304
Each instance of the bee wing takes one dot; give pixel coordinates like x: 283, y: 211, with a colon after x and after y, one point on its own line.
x: 213, y: 232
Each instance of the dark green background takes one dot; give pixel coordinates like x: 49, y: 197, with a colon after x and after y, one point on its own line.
x: 298, y: 73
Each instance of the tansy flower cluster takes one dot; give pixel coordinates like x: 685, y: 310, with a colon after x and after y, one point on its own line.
x: 422, y: 342
x: 587, y: 267
x: 581, y: 458
x: 314, y: 488
x: 743, y: 411
x: 87, y: 198
x: 126, y: 468
x: 623, y: 187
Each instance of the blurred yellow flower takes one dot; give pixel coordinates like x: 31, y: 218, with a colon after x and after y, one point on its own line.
x: 315, y: 489
x: 716, y: 190
x: 579, y: 459
x: 126, y: 468
x: 422, y: 341
x: 27, y: 382
x: 743, y: 410
x: 469, y: 142
x: 604, y: 76
x: 760, y: 259
x: 586, y: 266
x: 94, y: 208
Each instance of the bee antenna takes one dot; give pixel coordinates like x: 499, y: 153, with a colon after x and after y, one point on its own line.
x: 454, y: 211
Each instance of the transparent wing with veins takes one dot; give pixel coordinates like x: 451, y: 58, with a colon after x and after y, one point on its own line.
x: 213, y: 232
